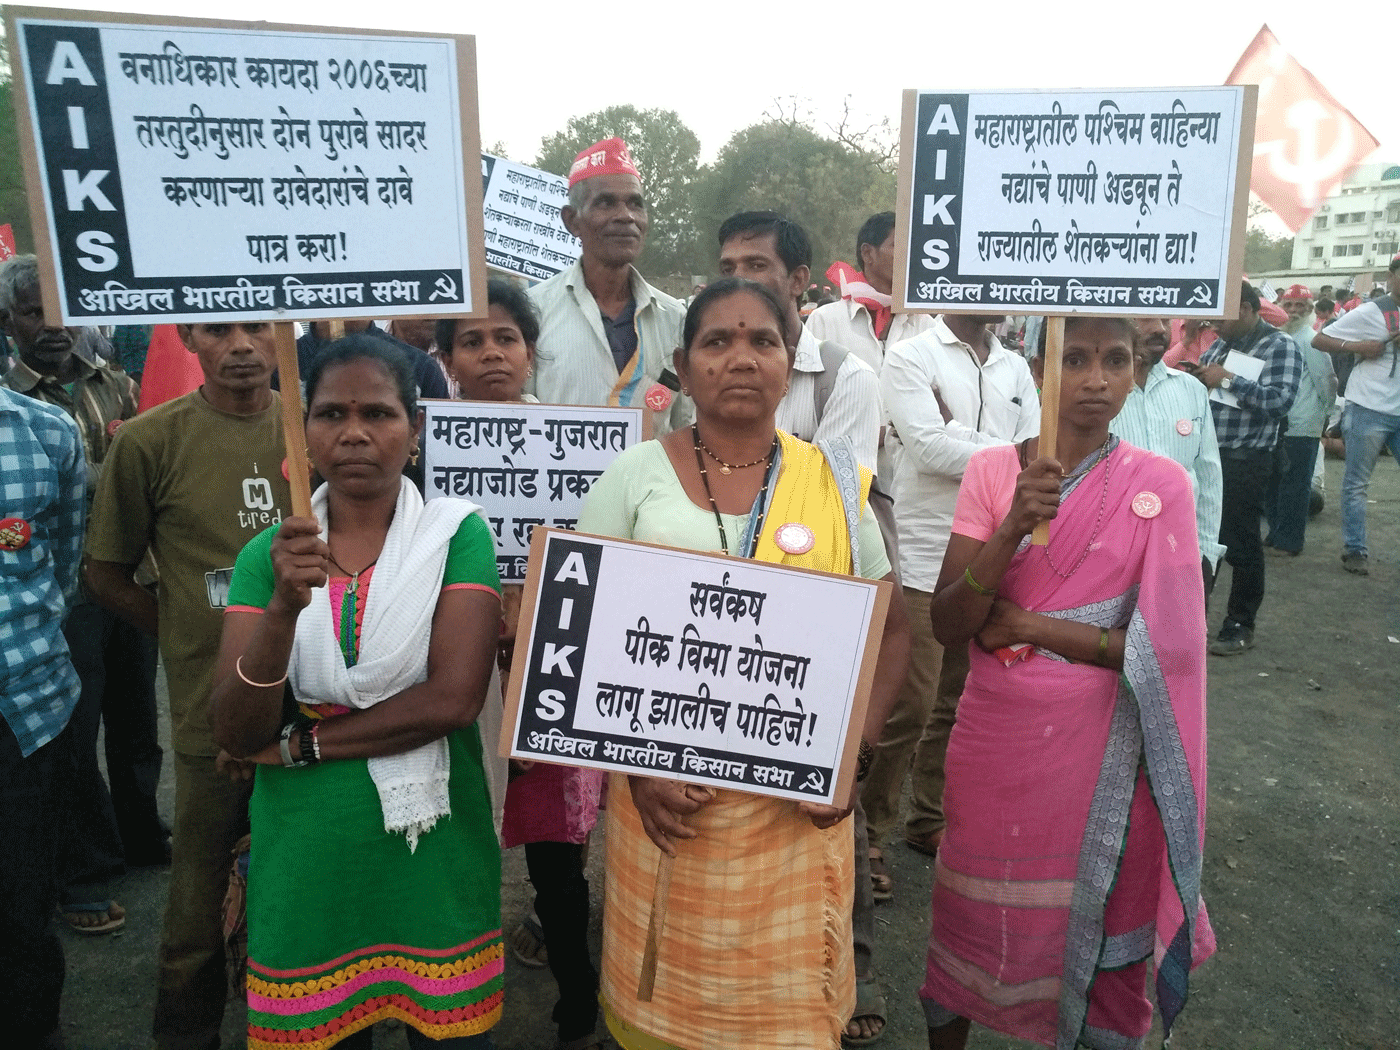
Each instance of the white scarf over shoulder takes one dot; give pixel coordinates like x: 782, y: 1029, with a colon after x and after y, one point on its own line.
x: 394, y: 637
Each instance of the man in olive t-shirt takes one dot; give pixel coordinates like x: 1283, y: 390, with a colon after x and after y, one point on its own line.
x: 193, y: 480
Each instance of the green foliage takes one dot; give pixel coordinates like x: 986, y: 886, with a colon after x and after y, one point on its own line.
x: 666, y: 152
x: 829, y: 187
x: 1263, y: 253
x: 14, y: 202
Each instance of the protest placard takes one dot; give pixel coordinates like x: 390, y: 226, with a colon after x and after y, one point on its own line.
x: 526, y: 464
x: 696, y: 667
x: 524, y: 231
x: 189, y: 169
x: 7, y: 242
x: 1086, y: 201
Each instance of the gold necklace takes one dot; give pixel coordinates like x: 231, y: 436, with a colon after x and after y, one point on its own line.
x: 726, y: 468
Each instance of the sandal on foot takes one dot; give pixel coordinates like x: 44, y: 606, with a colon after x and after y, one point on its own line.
x: 928, y: 845
x: 526, y: 943
x: 870, y: 1005
x: 95, y: 918
x: 881, y: 884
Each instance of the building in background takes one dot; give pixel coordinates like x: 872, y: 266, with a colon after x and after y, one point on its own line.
x: 1355, y: 231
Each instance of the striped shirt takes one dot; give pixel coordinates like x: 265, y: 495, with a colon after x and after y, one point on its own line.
x: 1263, y: 402
x: 99, y: 400
x: 1171, y: 416
x: 43, y: 483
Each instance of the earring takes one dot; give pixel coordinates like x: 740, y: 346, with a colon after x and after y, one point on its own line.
x: 413, y: 457
x: 685, y: 391
x: 529, y: 371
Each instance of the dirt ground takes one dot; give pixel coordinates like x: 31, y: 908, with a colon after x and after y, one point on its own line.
x: 1301, y: 872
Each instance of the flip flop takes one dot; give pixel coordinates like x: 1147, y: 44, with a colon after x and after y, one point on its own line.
x: 881, y: 884
x: 526, y: 943
x: 111, y: 923
x: 870, y: 1003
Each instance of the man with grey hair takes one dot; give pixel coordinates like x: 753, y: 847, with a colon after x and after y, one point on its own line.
x: 606, y: 335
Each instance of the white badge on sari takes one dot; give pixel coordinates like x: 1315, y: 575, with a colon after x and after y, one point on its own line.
x: 1147, y: 504
x: 794, y: 538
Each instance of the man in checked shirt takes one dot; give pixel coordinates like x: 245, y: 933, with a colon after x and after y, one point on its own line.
x: 43, y: 487
x: 1247, y: 414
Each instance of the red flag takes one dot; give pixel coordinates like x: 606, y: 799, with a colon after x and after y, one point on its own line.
x: 7, y: 242
x: 171, y: 371
x: 1305, y: 141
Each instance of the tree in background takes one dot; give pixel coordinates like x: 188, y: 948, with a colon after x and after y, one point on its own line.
x: 666, y: 152
x: 828, y: 186
x: 14, y: 203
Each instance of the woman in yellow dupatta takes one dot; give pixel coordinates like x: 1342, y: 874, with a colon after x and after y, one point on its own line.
x: 757, y: 945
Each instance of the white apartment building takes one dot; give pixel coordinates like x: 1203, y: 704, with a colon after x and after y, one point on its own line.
x: 1357, y: 230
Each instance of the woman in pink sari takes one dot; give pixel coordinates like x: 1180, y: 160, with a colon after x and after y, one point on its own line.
x: 1076, y: 770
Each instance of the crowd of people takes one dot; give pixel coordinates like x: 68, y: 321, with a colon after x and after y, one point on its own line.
x: 335, y: 680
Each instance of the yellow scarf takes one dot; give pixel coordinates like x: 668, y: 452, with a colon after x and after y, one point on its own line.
x: 806, y: 491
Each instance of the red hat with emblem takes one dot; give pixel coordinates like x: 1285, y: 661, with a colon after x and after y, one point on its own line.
x: 1296, y: 291
x: 608, y: 157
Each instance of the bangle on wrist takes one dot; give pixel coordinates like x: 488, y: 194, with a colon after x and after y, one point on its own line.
x: 985, y: 592
x: 315, y: 740
x: 238, y: 666
x: 1101, y: 658
x: 307, y: 745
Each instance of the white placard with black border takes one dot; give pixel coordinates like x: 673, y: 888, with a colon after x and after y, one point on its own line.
x: 526, y: 464
x: 186, y: 170
x: 702, y: 668
x: 525, y: 233
x: 1124, y: 202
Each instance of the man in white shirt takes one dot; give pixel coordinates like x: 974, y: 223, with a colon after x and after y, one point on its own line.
x: 763, y: 246
x: 1168, y: 412
x: 948, y: 392
x: 1371, y: 419
x: 861, y: 320
x: 606, y: 336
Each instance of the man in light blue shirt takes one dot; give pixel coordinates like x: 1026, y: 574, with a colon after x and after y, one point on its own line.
x: 1168, y: 412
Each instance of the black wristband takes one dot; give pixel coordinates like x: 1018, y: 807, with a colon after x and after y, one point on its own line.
x: 865, y: 757
x: 307, y: 747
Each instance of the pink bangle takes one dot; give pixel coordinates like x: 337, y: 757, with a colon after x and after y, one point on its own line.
x: 238, y: 666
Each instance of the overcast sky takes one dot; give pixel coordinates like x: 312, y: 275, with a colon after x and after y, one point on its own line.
x: 720, y: 65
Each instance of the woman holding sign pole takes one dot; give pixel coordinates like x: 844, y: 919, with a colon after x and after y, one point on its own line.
x: 756, y: 947
x: 1076, y: 771
x: 356, y: 653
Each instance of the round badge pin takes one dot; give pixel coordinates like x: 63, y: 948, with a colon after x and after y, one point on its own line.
x: 1147, y: 504
x: 659, y: 397
x: 1184, y: 427
x: 14, y: 533
x: 794, y: 538
x: 286, y: 474
x: 114, y: 426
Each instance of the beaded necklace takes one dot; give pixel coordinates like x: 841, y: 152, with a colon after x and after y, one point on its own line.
x: 1103, y: 504
x: 705, y: 480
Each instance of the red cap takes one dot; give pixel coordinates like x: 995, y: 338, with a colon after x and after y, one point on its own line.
x: 1296, y: 291
x: 609, y: 157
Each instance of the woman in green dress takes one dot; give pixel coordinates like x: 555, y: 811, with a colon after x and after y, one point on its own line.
x: 374, y: 880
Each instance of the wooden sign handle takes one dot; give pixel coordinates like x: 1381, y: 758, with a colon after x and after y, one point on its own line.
x: 657, y: 924
x: 284, y: 334
x: 1050, y: 405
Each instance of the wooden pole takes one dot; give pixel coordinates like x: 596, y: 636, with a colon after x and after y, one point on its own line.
x: 284, y: 334
x: 647, y: 983
x: 1050, y: 405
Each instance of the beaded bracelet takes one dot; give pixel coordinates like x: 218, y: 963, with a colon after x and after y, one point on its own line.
x: 316, y: 741
x: 865, y: 757
x: 985, y: 592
